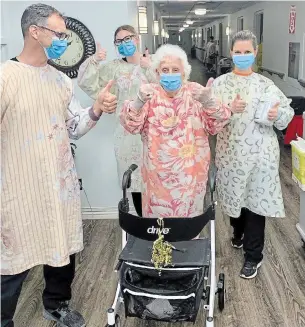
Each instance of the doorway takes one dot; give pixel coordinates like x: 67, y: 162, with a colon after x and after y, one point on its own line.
x: 220, y: 39
x: 294, y: 60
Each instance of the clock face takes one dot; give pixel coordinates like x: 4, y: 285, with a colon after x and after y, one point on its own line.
x: 74, y: 53
x: 81, y: 45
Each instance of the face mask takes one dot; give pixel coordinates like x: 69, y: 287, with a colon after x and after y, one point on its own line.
x: 244, y: 62
x: 56, y: 49
x: 171, y: 82
x: 127, y: 49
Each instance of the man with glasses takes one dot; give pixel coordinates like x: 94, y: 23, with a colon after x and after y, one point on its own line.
x: 40, y: 198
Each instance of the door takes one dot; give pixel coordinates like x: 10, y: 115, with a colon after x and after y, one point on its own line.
x: 294, y: 60
x: 220, y: 39
x: 259, y: 32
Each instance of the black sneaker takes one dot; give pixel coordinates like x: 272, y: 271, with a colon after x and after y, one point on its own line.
x: 237, y: 242
x: 249, y: 270
x: 65, y: 317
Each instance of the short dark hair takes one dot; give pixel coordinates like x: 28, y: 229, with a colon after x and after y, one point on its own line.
x: 37, y: 14
x: 212, y: 38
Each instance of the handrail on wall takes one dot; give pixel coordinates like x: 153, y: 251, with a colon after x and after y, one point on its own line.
x: 302, y: 82
x: 271, y: 72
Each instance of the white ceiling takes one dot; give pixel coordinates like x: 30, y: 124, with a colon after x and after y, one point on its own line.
x: 175, y: 12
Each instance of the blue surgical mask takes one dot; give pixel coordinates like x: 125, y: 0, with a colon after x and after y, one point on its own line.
x: 127, y: 49
x: 244, y: 61
x: 56, y: 49
x: 171, y: 82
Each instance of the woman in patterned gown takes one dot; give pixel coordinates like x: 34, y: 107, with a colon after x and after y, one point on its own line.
x: 247, y: 151
x: 174, y: 119
x: 128, y: 73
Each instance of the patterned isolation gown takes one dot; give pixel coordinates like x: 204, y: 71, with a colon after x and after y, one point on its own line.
x: 247, y: 153
x: 93, y: 76
x: 41, y: 221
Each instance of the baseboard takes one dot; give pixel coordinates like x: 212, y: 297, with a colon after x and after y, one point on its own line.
x: 103, y: 212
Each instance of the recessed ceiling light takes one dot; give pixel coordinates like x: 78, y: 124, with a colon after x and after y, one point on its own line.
x: 200, y: 11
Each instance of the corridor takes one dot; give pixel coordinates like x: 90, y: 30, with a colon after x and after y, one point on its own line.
x: 274, y: 299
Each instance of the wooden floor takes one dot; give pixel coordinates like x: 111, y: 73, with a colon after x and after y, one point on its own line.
x: 276, y: 298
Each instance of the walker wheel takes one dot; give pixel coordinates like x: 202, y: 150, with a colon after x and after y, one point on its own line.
x: 117, y: 321
x: 221, y: 292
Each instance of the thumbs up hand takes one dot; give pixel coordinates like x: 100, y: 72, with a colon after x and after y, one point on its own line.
x: 100, y: 54
x: 105, y: 102
x: 238, y: 105
x: 145, y: 62
x: 204, y: 94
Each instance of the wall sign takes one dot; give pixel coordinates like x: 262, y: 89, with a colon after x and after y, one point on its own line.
x: 292, y: 19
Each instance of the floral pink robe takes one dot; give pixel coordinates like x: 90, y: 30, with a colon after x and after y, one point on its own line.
x: 176, y: 149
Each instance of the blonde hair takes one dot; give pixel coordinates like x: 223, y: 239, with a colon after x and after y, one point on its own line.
x: 170, y: 50
x: 127, y: 28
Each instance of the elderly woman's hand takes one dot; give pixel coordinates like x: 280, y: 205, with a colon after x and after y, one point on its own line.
x: 273, y: 112
x: 145, y: 62
x: 205, y: 94
x: 146, y: 92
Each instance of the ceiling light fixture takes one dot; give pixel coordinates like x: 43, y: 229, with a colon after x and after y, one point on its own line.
x: 185, y: 25
x: 200, y: 11
x: 189, y: 22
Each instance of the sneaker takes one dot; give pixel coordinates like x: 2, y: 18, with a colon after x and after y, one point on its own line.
x: 249, y: 270
x: 64, y: 316
x: 237, y: 242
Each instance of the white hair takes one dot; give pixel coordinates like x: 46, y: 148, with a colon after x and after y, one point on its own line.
x: 171, y: 50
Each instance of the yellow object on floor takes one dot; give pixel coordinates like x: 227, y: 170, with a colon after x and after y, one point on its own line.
x: 298, y: 162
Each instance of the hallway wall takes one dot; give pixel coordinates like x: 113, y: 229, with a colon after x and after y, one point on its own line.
x: 276, y: 37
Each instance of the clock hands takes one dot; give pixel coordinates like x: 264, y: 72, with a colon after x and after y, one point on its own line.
x: 69, y: 43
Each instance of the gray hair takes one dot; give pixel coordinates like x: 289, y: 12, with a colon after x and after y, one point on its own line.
x: 37, y: 14
x: 244, y: 36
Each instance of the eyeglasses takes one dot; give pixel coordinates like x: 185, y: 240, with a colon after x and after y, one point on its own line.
x: 60, y: 35
x: 125, y: 39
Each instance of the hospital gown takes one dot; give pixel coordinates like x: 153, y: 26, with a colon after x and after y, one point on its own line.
x: 247, y: 153
x: 176, y: 161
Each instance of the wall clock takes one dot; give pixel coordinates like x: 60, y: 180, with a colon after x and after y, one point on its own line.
x: 81, y: 45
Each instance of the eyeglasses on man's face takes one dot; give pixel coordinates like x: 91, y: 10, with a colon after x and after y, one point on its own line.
x: 59, y: 35
x: 125, y: 39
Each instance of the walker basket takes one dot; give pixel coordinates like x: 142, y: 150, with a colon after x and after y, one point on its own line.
x: 172, y: 296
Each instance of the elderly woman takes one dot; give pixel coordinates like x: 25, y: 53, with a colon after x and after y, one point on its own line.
x: 247, y: 151
x: 174, y: 118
